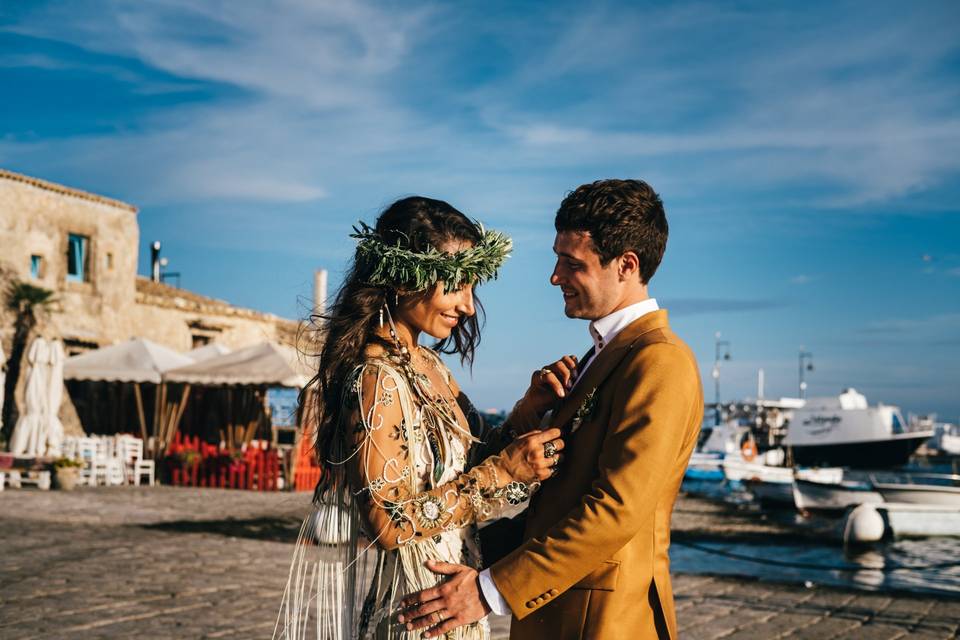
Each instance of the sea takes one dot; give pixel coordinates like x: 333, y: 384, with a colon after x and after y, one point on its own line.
x: 917, y: 565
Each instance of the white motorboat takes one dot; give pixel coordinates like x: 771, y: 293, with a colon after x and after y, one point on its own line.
x: 811, y: 495
x: 921, y: 520
x: 946, y: 439
x: 775, y: 484
x: 705, y: 466
x: 919, y: 488
x: 846, y: 431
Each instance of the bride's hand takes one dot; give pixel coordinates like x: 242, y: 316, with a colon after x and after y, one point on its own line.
x: 549, y: 384
x: 533, y: 456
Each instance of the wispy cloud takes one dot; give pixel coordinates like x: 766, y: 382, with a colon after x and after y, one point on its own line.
x: 938, y: 329
x: 831, y: 101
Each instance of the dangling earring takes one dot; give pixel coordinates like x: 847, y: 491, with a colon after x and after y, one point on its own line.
x: 396, y: 299
x: 381, y: 314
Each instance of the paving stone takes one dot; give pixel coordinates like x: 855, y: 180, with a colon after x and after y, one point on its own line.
x: 171, y: 564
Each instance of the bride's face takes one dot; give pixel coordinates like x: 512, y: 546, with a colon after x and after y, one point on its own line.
x: 435, y: 312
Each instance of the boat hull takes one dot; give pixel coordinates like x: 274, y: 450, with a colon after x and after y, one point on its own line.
x: 770, y: 492
x: 876, y: 454
x: 916, y: 520
x: 818, y: 496
x: 920, y: 494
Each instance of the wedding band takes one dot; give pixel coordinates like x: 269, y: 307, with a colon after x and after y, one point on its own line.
x: 545, y: 372
x: 549, y: 449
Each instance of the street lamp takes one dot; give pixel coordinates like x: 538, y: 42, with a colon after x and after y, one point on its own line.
x: 722, y: 353
x: 805, y: 364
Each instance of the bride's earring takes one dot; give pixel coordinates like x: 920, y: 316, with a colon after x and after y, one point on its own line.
x: 381, y: 314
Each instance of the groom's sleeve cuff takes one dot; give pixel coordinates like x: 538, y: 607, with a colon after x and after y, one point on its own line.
x: 491, y: 594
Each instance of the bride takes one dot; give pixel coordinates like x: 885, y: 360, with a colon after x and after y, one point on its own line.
x: 409, y: 466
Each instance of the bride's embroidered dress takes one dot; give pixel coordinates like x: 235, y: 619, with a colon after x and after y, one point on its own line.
x: 411, y: 449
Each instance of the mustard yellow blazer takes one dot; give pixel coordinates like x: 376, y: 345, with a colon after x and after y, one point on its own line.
x: 595, y: 564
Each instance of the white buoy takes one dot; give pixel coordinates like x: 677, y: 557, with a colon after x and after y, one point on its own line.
x: 864, y: 524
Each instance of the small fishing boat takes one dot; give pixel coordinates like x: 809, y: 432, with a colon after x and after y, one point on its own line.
x: 812, y: 495
x: 778, y: 486
x: 705, y: 466
x: 921, y: 520
x: 942, y: 489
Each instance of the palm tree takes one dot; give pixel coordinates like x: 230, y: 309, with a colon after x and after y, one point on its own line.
x: 28, y: 303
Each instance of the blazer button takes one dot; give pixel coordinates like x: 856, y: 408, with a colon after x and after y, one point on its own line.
x: 538, y: 599
x: 530, y: 604
x: 552, y: 592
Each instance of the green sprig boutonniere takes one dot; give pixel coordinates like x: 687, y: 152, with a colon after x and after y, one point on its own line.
x: 584, y: 411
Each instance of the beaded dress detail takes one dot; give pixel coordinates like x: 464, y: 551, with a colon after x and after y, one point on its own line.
x: 420, y: 478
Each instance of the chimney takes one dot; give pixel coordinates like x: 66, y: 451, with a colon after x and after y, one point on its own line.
x: 155, y: 261
x: 320, y: 291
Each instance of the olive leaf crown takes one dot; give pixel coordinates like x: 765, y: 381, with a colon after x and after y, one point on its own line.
x: 393, y: 266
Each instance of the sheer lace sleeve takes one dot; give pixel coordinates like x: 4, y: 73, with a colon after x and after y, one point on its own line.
x: 383, y: 473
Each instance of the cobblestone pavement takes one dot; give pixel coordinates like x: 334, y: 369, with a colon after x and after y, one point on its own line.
x: 165, y: 563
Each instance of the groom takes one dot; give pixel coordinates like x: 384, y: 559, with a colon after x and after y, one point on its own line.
x: 594, y: 563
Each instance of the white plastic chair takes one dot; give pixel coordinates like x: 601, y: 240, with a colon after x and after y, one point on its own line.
x: 130, y: 450
x: 86, y: 452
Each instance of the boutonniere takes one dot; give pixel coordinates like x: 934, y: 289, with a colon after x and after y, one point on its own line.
x: 584, y: 411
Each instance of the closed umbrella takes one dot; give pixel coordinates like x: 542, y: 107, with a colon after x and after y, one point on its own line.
x: 32, y: 423
x: 3, y: 382
x: 54, y: 443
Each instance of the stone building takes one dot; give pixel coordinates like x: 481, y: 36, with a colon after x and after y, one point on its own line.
x: 84, y: 247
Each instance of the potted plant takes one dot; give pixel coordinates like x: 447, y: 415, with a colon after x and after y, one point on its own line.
x: 66, y: 473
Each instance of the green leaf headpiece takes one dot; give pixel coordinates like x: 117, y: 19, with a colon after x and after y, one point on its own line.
x: 393, y: 266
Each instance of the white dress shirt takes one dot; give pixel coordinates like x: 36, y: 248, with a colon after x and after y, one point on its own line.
x: 603, y: 331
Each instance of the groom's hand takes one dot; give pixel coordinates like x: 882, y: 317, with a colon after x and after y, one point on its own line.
x: 454, y: 603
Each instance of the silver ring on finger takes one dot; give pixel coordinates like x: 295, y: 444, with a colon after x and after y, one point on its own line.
x: 545, y: 372
x: 556, y: 462
x: 549, y: 449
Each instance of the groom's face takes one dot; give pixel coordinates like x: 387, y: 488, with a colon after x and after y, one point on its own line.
x: 590, y: 290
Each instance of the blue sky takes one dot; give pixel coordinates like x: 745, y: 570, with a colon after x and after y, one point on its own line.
x: 806, y: 154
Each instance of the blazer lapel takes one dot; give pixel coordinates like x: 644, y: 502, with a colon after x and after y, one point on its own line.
x: 605, y: 362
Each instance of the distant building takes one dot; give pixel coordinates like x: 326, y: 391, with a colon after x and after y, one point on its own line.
x: 84, y: 247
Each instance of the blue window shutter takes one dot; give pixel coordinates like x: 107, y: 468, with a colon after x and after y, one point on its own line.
x: 35, y: 267
x: 76, y: 258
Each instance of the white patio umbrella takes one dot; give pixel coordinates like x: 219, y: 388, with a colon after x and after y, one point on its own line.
x: 31, y: 426
x: 54, y: 442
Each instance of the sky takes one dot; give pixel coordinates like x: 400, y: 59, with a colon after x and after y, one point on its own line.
x: 807, y: 155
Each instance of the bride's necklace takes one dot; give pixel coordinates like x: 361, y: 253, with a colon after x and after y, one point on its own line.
x: 439, y: 409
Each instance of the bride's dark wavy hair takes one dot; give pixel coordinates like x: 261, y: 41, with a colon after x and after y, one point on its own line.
x: 415, y: 223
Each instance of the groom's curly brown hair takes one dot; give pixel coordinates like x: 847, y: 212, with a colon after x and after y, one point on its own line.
x: 621, y: 216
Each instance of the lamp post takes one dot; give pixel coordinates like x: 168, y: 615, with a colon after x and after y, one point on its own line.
x: 805, y: 364
x: 722, y: 353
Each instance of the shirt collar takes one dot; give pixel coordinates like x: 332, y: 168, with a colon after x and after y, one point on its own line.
x: 606, y: 328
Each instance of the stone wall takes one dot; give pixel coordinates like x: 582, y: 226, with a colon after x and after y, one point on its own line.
x: 113, y: 304
x: 36, y: 218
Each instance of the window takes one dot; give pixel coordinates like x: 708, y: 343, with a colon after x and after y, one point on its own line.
x: 77, y: 258
x: 36, y: 267
x: 109, y: 261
